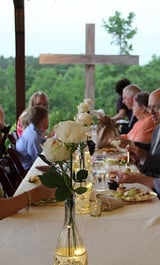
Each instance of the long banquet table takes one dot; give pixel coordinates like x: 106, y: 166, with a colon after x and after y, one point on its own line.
x: 126, y: 236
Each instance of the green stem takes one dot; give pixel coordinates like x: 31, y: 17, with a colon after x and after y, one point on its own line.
x: 71, y: 225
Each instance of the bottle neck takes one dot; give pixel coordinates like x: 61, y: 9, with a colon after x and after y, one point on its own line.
x: 69, y: 211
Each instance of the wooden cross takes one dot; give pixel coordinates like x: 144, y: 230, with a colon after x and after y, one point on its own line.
x: 89, y: 60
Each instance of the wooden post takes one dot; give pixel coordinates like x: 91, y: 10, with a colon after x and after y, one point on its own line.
x: 20, y: 56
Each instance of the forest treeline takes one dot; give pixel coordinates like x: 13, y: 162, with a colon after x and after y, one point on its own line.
x: 64, y: 85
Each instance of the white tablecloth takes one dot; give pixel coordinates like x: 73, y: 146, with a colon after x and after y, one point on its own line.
x: 126, y: 236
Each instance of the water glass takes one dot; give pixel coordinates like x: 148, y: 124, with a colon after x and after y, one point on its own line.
x: 95, y: 207
x: 99, y: 181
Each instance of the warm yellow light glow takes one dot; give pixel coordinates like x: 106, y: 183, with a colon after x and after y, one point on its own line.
x: 89, y: 185
x: 73, y: 252
x: 79, y: 251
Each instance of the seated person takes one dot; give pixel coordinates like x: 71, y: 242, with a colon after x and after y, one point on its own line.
x: 149, y: 161
x: 37, y: 99
x: 23, y: 122
x: 128, y: 94
x: 142, y: 129
x: 29, y: 143
x: 122, y: 110
x: 11, y: 205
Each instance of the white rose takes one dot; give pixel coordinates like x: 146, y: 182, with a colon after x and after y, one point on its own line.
x: 70, y: 132
x: 84, y: 118
x: 55, y: 150
x: 89, y: 101
x: 83, y: 107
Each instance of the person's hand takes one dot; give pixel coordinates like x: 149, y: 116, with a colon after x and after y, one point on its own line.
x: 129, y: 178
x: 41, y: 192
x: 46, y: 193
x: 113, y: 175
x: 136, y: 178
x: 124, y: 141
x: 124, y: 177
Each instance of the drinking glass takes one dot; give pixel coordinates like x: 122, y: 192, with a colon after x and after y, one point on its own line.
x: 114, y: 173
x: 99, y: 180
x: 95, y: 207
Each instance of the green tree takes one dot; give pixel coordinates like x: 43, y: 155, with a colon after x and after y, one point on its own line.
x: 121, y: 30
x: 64, y: 85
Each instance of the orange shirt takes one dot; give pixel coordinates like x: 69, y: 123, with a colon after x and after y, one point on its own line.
x: 141, y: 131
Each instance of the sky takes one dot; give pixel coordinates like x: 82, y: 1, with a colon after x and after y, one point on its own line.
x: 58, y: 26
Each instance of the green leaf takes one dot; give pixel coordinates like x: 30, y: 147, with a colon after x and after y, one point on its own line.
x: 81, y: 175
x: 67, y: 181
x: 62, y: 194
x: 52, y: 178
x: 80, y: 190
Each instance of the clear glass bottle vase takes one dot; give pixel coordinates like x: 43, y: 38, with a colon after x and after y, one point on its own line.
x: 70, y: 249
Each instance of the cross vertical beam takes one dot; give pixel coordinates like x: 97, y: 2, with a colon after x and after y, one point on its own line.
x: 90, y: 68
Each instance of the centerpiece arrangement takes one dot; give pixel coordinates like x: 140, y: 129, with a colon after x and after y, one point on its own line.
x: 58, y: 154
x: 84, y: 112
x: 86, y: 118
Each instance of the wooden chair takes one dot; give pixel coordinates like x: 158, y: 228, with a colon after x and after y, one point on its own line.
x: 16, y: 161
x: 12, y: 139
x: 4, y: 133
x: 6, y: 183
x: 11, y: 171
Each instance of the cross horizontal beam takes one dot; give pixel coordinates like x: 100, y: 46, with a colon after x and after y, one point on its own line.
x: 88, y: 59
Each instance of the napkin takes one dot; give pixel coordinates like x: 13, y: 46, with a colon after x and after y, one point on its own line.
x: 116, y: 144
x: 109, y: 203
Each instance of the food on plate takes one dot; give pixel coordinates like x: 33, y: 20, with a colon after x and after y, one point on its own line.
x: 122, y: 159
x: 109, y: 149
x: 134, y: 195
x: 34, y: 179
x: 98, y: 164
x: 117, y: 160
x: 112, y: 160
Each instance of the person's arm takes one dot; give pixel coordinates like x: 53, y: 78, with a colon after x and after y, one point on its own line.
x: 11, y: 205
x: 137, y: 178
x: 151, y: 182
x: 120, y: 115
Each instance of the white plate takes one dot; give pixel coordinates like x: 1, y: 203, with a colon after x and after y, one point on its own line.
x: 138, y: 195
